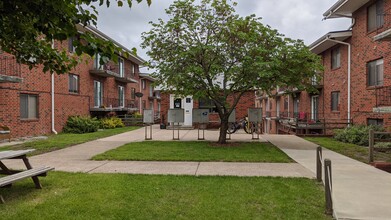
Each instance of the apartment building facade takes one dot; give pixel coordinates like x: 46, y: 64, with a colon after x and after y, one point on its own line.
x: 356, y: 84
x: 188, y: 103
x: 34, y: 103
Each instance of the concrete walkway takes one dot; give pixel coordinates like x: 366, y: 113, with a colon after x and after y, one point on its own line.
x: 360, y: 191
x: 77, y: 158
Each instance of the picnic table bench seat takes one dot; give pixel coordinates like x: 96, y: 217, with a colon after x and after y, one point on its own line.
x: 34, y: 172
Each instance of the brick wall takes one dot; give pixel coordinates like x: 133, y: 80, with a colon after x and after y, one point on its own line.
x: 67, y: 104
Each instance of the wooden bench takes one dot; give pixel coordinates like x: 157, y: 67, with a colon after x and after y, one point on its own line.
x: 5, y: 133
x: 33, y: 173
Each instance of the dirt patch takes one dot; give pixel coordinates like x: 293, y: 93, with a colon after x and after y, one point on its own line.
x: 230, y: 144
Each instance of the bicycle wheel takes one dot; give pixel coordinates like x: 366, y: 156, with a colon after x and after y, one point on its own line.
x: 248, y: 127
x: 231, y: 128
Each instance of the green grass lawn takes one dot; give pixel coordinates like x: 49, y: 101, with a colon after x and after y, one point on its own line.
x: 122, y: 196
x: 356, y: 152
x: 195, y: 151
x: 63, y: 140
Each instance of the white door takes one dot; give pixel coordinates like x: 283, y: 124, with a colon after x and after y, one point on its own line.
x: 186, y: 104
x: 188, y: 107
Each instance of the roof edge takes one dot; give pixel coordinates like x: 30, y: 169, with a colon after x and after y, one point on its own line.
x: 105, y: 37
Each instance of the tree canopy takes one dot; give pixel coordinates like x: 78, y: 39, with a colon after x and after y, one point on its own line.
x: 208, y: 51
x: 28, y: 28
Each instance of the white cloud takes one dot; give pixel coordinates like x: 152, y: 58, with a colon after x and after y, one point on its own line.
x: 298, y: 19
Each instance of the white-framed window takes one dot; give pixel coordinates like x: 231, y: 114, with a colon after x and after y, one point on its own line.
x: 335, y: 58
x: 73, y: 84
x: 131, y: 69
x: 121, y: 96
x: 28, y: 106
x: 314, y: 107
x: 335, y: 101
x: 296, y: 104
x: 71, y: 47
x: 375, y: 73
x: 121, y: 67
x: 98, y: 94
x: 133, y: 93
x: 375, y: 15
x: 143, y: 84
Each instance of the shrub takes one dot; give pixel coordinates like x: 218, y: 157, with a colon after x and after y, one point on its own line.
x: 137, y: 115
x: 81, y: 125
x: 112, y: 122
x: 356, y: 134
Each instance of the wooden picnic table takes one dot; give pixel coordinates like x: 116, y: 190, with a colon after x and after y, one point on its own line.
x: 12, y: 176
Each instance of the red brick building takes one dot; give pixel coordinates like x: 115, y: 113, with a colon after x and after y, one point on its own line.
x: 170, y: 101
x: 34, y: 103
x: 356, y: 84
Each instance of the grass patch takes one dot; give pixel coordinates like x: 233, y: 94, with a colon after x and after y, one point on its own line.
x: 122, y: 196
x: 195, y: 151
x: 356, y: 152
x: 63, y: 140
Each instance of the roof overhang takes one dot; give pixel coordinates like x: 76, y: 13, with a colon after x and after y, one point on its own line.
x: 147, y: 76
x: 134, y: 58
x: 344, y: 8
x: 323, y: 43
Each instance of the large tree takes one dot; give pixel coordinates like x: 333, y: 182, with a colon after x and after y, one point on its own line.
x: 208, y: 51
x: 28, y: 28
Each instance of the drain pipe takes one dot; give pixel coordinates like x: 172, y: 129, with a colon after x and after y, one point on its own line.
x: 349, y: 59
x: 53, y: 128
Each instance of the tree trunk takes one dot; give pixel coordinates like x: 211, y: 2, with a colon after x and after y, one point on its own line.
x: 223, y: 131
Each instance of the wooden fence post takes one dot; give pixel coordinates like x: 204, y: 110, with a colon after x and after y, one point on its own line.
x: 319, y: 164
x: 328, y: 186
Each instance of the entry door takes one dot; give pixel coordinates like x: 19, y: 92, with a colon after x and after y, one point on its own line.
x: 188, y: 107
x: 314, y: 107
x: 98, y: 94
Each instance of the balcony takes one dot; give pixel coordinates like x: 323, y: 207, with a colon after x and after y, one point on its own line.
x: 10, y: 70
x: 114, y: 105
x: 114, y: 70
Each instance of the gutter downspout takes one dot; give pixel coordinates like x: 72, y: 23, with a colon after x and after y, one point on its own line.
x: 52, y: 96
x: 349, y: 60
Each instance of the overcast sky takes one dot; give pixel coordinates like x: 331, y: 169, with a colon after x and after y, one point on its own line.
x: 298, y: 19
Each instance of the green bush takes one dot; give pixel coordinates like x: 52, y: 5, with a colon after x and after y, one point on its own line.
x: 81, y: 125
x: 356, y: 134
x: 112, y: 122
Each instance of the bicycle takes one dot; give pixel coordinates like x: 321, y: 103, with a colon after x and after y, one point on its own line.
x: 243, y: 123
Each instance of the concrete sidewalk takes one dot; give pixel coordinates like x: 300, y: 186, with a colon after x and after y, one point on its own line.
x: 77, y: 158
x: 360, y: 191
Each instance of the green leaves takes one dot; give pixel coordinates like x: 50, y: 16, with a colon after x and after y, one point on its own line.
x: 27, y: 29
x: 208, y: 51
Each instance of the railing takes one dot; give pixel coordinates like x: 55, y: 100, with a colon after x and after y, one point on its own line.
x: 9, y: 66
x: 116, y: 70
x: 383, y: 96
x: 114, y: 104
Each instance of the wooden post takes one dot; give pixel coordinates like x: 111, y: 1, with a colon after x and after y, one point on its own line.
x: 371, y: 145
x: 328, y: 186
x: 319, y: 164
